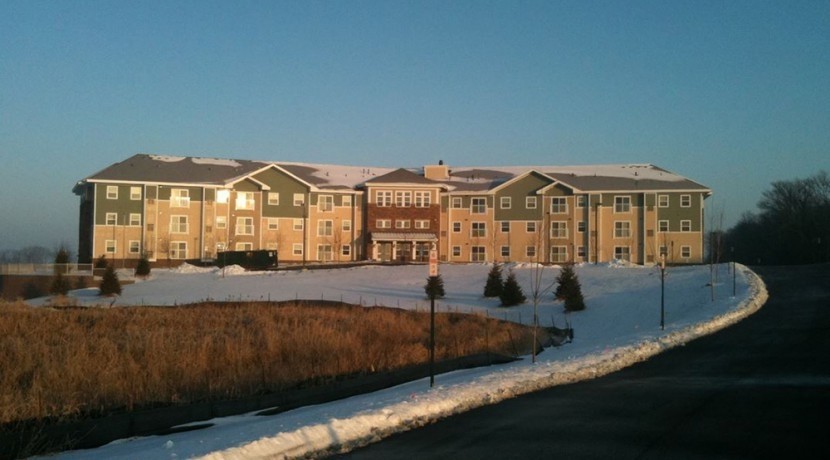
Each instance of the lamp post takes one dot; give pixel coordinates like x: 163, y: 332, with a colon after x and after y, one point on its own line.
x: 662, y: 288
x: 732, y: 251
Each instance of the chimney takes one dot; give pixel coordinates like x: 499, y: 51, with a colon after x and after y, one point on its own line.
x: 437, y: 172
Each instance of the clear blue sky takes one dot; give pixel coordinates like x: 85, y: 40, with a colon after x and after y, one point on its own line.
x: 733, y: 94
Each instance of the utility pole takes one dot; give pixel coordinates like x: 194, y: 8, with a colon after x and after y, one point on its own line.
x: 662, y: 288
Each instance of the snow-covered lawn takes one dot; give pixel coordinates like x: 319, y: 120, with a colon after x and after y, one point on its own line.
x: 620, y: 326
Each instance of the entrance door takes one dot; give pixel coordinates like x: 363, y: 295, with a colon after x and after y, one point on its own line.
x: 422, y: 252
x: 385, y: 252
x: 404, y: 251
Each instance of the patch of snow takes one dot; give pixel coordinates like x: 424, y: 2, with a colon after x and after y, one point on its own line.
x: 216, y: 161
x: 167, y: 158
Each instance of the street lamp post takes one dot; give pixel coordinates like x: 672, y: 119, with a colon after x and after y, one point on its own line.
x: 732, y: 251
x: 662, y: 288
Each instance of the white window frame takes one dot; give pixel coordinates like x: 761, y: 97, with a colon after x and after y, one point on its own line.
x: 423, y: 199
x: 135, y: 219
x: 383, y: 198
x: 244, y: 226
x: 685, y: 252
x: 558, y: 254
x: 422, y: 224
x: 622, y: 229
x: 112, y: 192
x: 179, y: 223
x: 403, y: 198
x: 505, y: 226
x: 325, y: 227
x: 662, y: 201
x: 558, y: 205
x: 622, y: 204
x: 505, y: 202
x: 325, y: 253
x: 478, y: 205
x: 298, y: 225
x: 325, y: 203
x: 531, y: 227
x: 561, y: 229
x: 456, y: 251
x: 135, y: 193
x: 663, y: 226
x: 581, y: 226
x: 457, y: 202
x: 478, y: 253
x: 273, y: 198
x: 244, y: 246
x: 622, y: 249
x: 111, y: 218
x: 530, y: 251
x: 299, y: 200
x: 581, y: 200
x: 478, y: 229
x: 685, y: 201
x: 530, y: 202
x: 221, y: 222
x: 110, y: 246
x: 505, y: 252
x: 179, y: 198
x: 346, y: 226
x: 456, y: 227
x: 223, y: 196
x: 245, y: 201
x: 346, y: 200
x: 297, y: 249
x: 403, y: 224
x: 346, y: 250
x: 178, y: 250
x: 686, y: 225
x: 383, y: 223
x: 273, y: 223
x: 580, y: 251
x: 134, y: 247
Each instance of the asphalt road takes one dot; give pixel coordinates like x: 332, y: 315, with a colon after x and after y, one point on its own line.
x: 759, y: 389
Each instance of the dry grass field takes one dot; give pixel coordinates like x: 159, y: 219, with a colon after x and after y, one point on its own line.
x: 79, y: 362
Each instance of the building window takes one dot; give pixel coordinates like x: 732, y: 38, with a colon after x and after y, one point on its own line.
x: 347, y: 225
x: 324, y: 228
x: 223, y: 196
x: 178, y: 249
x: 559, y: 205
x: 558, y: 254
x: 530, y: 251
x: 558, y: 229
x: 111, y: 218
x: 135, y: 247
x: 244, y: 225
x: 324, y: 252
x: 422, y: 224
x: 622, y: 229
x: 178, y: 224
x: 685, y: 201
x: 299, y: 199
x: 297, y: 249
x: 245, y: 200
x: 479, y: 229
x: 478, y: 205
x: 662, y: 225
x: 622, y: 204
x: 221, y: 222
x: 346, y: 250
x: 347, y: 200
x: 456, y: 227
x: 530, y: 227
x: 298, y: 224
x: 580, y: 201
x: 685, y: 252
x: 580, y: 226
x: 422, y: 199
x: 505, y: 226
x: 580, y: 251
x: 662, y: 201
x: 135, y: 193
x: 505, y: 252
x: 530, y: 202
x: 112, y: 192
x: 622, y: 253
x: 685, y: 225
x: 456, y: 251
x: 456, y: 202
x: 273, y: 224
x: 383, y: 198
x: 179, y: 198
x: 383, y: 223
x: 403, y: 199
x: 478, y: 254
x: 505, y: 202
x: 135, y: 219
x: 244, y: 246
x: 109, y: 246
x: 273, y: 198
x: 402, y: 223
x: 325, y: 203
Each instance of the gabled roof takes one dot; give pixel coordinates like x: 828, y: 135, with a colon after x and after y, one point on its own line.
x: 403, y: 176
x: 176, y: 170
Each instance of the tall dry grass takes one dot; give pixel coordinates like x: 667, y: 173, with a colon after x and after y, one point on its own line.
x: 68, y: 362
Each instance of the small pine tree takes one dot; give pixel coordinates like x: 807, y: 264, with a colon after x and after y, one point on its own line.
x: 494, y: 285
x: 101, y: 262
x: 109, y: 284
x: 435, y: 287
x: 60, y: 285
x: 62, y: 260
x: 512, y: 293
x: 569, y: 289
x: 143, y: 267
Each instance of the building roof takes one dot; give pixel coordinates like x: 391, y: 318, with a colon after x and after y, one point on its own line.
x: 144, y: 168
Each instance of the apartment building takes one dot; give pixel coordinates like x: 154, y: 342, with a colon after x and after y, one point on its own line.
x: 176, y: 209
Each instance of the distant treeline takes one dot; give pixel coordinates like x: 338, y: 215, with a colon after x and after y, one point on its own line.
x: 792, y: 226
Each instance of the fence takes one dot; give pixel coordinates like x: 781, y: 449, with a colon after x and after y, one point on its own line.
x: 45, y: 269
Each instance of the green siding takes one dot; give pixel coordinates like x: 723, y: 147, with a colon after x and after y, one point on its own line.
x: 674, y: 213
x: 123, y: 206
x: 286, y: 186
x: 518, y: 192
x: 194, y: 192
